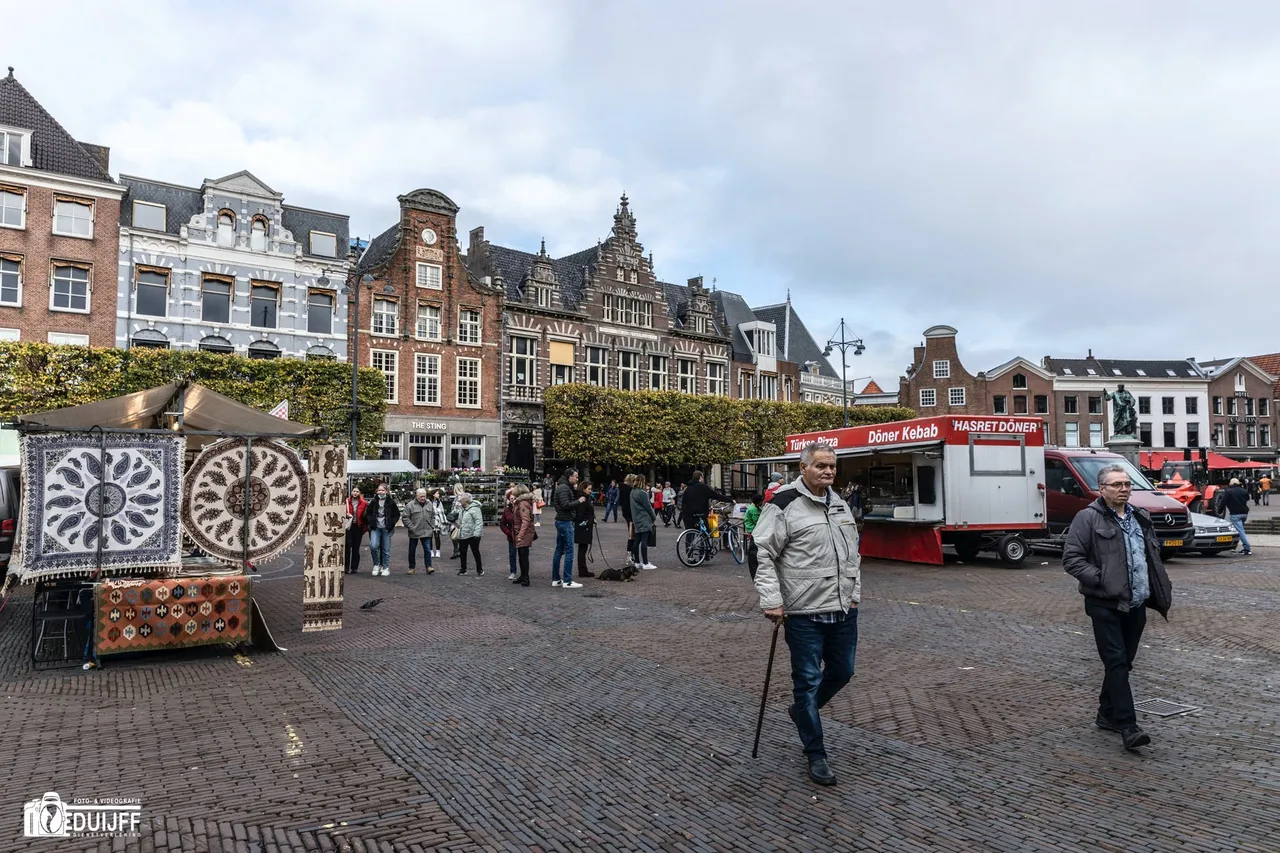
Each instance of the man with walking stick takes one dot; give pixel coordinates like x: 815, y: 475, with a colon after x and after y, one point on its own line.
x: 808, y: 575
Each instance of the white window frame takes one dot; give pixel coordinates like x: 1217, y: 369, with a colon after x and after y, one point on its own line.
x: 88, y: 289
x: 1095, y: 434
x: 629, y: 370
x: 425, y: 279
x: 311, y: 244
x: 24, y: 146
x: 18, y: 303
x: 471, y: 379
x: 1071, y: 431
x: 687, y: 381
x: 380, y: 317
x: 67, y: 339
x: 310, y: 307
x: 928, y: 398
x: 716, y: 385
x: 529, y: 357
x: 231, y: 300
x: 465, y: 325
x: 258, y: 239
x: 74, y: 203
x: 543, y: 295
x: 659, y: 373
x: 942, y: 368
x: 225, y: 236
x: 598, y: 371
x: 266, y: 285
x: 164, y: 215
x: 22, y: 207
x: 768, y: 387
x: 426, y: 368
x: 438, y: 320
x: 956, y: 396
x: 561, y: 374
x: 390, y: 364
x: 10, y: 336
x: 137, y: 288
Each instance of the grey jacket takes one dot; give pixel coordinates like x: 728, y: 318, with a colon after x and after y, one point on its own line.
x: 807, y: 547
x: 642, y: 513
x: 419, y: 520
x: 1095, y: 555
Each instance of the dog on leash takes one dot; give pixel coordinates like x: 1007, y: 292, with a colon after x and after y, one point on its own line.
x: 626, y: 573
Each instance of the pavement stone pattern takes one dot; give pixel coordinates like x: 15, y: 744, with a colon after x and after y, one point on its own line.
x: 468, y: 714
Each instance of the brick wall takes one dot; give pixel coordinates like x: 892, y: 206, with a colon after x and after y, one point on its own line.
x: 1255, y: 389
x: 942, y: 348
x: 39, y: 247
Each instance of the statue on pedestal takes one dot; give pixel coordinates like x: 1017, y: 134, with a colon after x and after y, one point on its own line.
x: 1124, y: 420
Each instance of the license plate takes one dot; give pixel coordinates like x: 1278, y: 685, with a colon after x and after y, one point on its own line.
x: 1225, y: 538
x: 1173, y: 543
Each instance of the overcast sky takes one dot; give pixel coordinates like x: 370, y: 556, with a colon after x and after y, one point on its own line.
x: 1047, y: 177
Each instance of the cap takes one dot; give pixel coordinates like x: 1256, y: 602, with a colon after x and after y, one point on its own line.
x: 776, y: 477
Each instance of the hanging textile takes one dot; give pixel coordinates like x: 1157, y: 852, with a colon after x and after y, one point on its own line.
x: 322, y: 567
x: 91, y: 500
x: 132, y: 615
x: 239, y: 479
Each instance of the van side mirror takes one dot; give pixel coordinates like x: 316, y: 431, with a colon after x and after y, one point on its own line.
x: 1071, y: 487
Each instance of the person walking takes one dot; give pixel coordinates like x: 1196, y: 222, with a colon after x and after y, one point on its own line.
x: 624, y: 496
x: 611, y: 501
x: 1265, y: 482
x: 584, y: 525
x: 809, y: 576
x: 680, y: 504
x: 352, y: 522
x: 539, y: 501
x: 455, y: 505
x: 565, y: 501
x: 522, y: 532
x: 643, y: 518
x: 655, y: 500
x: 1235, y: 505
x: 419, y: 522
x: 1113, y: 551
x: 441, y: 523
x: 470, y: 529
x: 507, y: 524
x: 380, y: 518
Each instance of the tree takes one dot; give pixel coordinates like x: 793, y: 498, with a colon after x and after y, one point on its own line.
x: 634, y: 428
x: 37, y: 377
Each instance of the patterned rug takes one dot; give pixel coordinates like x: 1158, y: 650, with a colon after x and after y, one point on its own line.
x: 322, y: 568
x: 133, y: 615
x: 213, y: 514
x: 79, y: 499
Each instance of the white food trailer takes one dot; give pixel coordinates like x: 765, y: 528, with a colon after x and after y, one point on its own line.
x: 975, y: 483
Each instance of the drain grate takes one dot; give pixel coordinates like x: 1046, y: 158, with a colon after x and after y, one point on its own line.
x: 1162, y: 707
x: 730, y: 617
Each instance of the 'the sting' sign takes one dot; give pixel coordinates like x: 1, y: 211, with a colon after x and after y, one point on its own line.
x: 947, y: 429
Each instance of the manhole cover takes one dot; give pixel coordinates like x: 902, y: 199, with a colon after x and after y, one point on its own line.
x: 1162, y: 707
x: 730, y: 617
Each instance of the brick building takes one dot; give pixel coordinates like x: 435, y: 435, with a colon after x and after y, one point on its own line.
x: 760, y: 369
x: 59, y: 228
x: 434, y: 332
x: 1242, y: 407
x: 599, y: 316
x: 229, y: 267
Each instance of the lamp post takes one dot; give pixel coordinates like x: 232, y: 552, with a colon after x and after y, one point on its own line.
x: 351, y: 291
x: 844, y: 342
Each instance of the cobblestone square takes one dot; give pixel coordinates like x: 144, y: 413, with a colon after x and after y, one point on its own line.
x: 468, y: 714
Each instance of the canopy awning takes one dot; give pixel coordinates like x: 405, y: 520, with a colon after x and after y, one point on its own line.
x: 1154, y: 460
x: 202, y: 409
x: 369, y: 467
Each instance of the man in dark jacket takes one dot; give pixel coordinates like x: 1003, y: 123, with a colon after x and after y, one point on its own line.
x: 1235, y: 506
x: 697, y: 500
x: 1113, y: 551
x: 565, y: 501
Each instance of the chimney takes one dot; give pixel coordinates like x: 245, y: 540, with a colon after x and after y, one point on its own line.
x: 695, y: 283
x: 917, y: 355
x: 1090, y: 352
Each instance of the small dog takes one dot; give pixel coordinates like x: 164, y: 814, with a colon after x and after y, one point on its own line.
x: 626, y: 573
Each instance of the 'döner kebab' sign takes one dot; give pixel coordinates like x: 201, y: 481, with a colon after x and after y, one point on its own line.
x: 946, y: 429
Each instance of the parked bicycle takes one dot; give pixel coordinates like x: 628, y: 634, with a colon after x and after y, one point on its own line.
x: 697, y: 544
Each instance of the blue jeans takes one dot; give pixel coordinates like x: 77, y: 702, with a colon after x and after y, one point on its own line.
x: 426, y: 551
x: 813, y: 644
x: 564, y: 547
x: 1237, y: 521
x: 511, y: 556
x: 611, y: 508
x: 380, y: 546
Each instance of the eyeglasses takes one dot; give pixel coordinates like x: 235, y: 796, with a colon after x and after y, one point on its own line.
x: 1124, y: 485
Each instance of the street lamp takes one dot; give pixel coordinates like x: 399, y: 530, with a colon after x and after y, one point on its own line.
x: 349, y: 290
x: 844, y: 342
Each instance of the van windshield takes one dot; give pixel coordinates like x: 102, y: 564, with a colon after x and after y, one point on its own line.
x: 1089, y: 466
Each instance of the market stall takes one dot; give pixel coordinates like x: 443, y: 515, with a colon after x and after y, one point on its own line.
x: 144, y: 516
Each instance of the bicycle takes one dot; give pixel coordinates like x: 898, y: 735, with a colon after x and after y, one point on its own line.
x: 696, y: 545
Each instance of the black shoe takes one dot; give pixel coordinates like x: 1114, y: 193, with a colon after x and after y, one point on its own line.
x: 1135, y: 737
x: 515, y: 580
x: 586, y: 574
x: 524, y: 581
x: 1103, y: 723
x: 462, y: 571
x: 820, y: 772
x: 479, y: 573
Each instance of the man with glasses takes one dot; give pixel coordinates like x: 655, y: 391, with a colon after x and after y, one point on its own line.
x: 1113, y: 551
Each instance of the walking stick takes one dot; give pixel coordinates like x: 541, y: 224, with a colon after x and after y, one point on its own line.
x: 773, y: 647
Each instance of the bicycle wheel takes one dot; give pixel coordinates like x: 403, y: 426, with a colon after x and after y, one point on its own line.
x: 692, y: 548
x: 737, y: 547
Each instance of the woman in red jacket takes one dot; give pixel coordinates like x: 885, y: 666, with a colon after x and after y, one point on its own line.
x: 355, y: 511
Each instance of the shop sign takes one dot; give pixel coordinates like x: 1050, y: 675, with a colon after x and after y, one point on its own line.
x: 438, y: 426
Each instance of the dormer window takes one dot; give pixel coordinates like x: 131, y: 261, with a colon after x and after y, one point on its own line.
x: 226, y: 228
x: 15, y: 147
x: 258, y: 234
x: 1240, y: 382
x: 543, y: 296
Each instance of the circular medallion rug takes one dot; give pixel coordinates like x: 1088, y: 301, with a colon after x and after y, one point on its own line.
x: 220, y: 494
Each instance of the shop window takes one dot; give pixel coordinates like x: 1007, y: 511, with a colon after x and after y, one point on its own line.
x: 466, y: 451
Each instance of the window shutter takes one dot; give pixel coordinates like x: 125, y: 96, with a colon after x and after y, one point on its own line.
x: 562, y: 352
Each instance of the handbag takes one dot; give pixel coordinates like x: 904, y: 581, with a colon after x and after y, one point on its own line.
x: 453, y: 533
x: 346, y: 522
x: 653, y: 538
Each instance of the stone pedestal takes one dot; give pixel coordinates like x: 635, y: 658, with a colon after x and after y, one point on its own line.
x: 1127, y: 446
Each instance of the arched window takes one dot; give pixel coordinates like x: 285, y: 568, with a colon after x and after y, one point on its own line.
x: 150, y: 338
x: 258, y: 234
x: 212, y: 343
x: 226, y: 228
x: 1019, y: 380
x: 263, y: 349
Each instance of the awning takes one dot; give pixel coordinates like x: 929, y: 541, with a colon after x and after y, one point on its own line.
x: 202, y: 409
x: 1154, y: 460
x: 369, y: 467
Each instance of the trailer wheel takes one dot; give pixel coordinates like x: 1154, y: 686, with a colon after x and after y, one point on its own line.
x: 1196, y: 505
x: 1012, y: 548
x: 967, y: 549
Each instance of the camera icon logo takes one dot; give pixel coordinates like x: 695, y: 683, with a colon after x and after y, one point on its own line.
x: 45, y: 817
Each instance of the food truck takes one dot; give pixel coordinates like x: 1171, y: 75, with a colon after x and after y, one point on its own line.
x: 975, y: 483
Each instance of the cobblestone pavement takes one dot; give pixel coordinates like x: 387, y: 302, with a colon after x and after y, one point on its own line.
x: 466, y: 714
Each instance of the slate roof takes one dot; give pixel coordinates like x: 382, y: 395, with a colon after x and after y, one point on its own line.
x: 380, y: 250
x: 301, y: 221
x: 736, y: 311
x: 794, y: 338
x: 1104, y: 368
x: 52, y: 148
x: 515, y: 265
